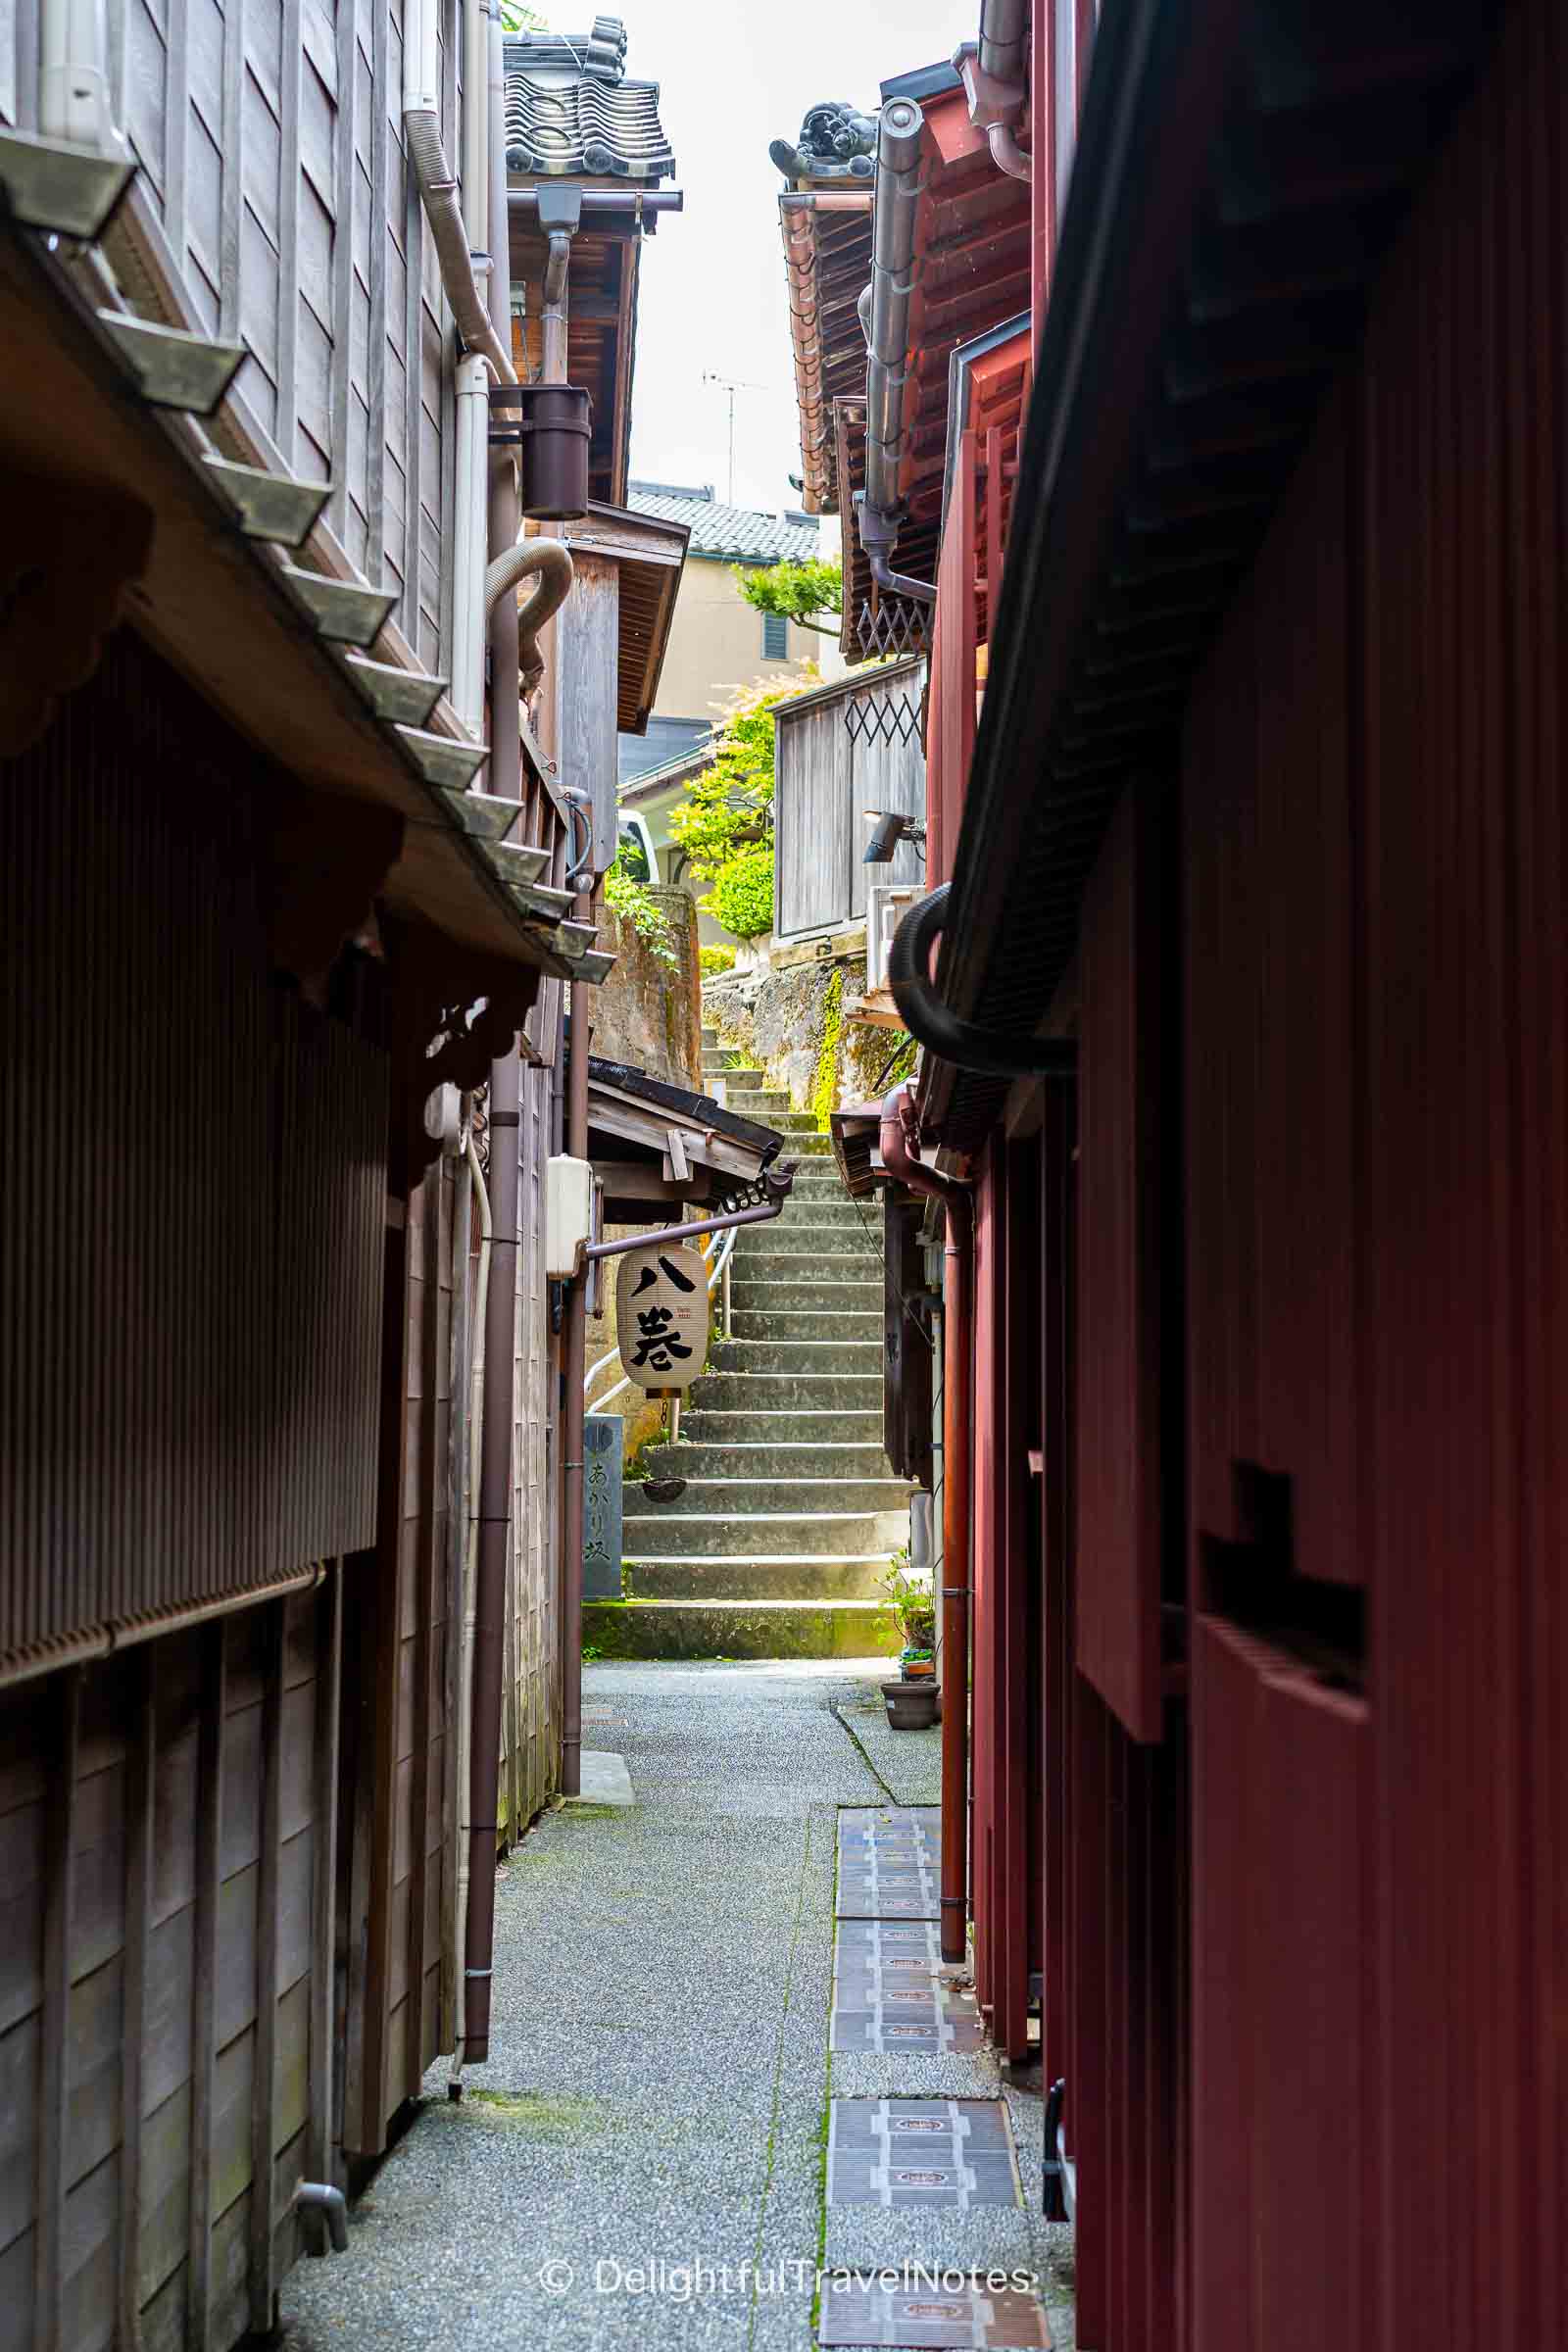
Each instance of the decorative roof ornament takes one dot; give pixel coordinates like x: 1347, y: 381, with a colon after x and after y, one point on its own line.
x: 836, y: 142
x: 600, y: 54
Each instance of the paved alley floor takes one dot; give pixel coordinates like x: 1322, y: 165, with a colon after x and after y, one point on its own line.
x: 644, y: 2159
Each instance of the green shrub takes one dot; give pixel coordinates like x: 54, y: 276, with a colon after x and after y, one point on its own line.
x: 644, y: 913
x: 742, y: 896
x: 716, y: 959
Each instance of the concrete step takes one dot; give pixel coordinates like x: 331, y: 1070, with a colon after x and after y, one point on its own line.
x: 832, y: 1324
x: 801, y: 1144
x: 798, y: 1359
x: 823, y: 1235
x: 826, y: 1209
x: 764, y: 1535
x: 835, y: 1260
x: 771, y: 1109
x: 847, y: 1296
x: 789, y: 1576
x: 788, y: 1391
x: 745, y: 1490
x: 741, y: 1629
x: 789, y: 1459
x: 754, y: 1423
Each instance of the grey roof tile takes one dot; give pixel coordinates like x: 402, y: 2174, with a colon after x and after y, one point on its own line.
x: 743, y: 533
x: 571, y: 110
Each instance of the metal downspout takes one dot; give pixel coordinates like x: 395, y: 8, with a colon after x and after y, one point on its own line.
x: 573, y: 1411
x: 885, y: 318
x: 996, y: 79
x: 506, y: 742
x: 574, y: 1347
x: 500, y: 1302
x: 495, y: 1536
x: 958, y: 1318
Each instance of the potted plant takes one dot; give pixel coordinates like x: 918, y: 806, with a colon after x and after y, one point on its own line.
x: 915, y: 1604
x: 912, y: 1700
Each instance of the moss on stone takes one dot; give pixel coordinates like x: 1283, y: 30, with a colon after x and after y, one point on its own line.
x: 633, y: 1628
x: 541, y: 2115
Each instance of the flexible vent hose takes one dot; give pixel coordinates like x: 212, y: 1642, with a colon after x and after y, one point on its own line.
x: 438, y: 193
x: 550, y: 561
x: 990, y: 1052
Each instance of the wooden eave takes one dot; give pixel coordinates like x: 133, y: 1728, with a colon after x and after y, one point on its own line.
x: 638, y: 1113
x: 827, y: 258
x: 855, y: 1131
x: 601, y: 285
x: 1242, y: 168
x: 213, y: 602
x: 650, y: 554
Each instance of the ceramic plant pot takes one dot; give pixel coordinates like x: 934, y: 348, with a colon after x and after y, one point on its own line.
x: 912, y: 1706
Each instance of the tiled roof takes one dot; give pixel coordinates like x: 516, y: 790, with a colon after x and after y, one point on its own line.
x: 742, y: 533
x: 571, y: 110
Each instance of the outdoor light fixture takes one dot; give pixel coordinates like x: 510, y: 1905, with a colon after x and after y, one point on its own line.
x: 890, y: 829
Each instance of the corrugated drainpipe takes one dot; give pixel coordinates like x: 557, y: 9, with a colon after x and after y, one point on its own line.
x: 885, y: 319
x: 506, y: 746
x: 438, y: 187
x: 957, y: 1315
x: 501, y: 1304
x: 995, y: 77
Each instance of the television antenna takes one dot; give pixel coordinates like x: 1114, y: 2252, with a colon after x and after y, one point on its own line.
x: 731, y: 385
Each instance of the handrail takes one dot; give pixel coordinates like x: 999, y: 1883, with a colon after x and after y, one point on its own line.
x: 717, y: 1271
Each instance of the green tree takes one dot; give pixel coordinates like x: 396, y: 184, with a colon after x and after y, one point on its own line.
x: 742, y: 897
x: 796, y: 591
x: 729, y: 805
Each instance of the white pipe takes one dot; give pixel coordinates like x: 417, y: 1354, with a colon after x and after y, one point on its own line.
x: 476, y: 124
x: 472, y: 537
x: 75, y: 100
x: 471, y: 1546
x: 438, y: 188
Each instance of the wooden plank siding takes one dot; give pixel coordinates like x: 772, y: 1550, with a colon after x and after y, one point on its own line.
x: 270, y: 137
x: 825, y: 780
x: 200, y: 1273
x: 158, y: 1838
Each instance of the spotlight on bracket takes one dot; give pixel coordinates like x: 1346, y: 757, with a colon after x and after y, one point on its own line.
x: 889, y: 828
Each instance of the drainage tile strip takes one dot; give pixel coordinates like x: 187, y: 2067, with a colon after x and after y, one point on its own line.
x: 952, y: 2311
x: 948, y: 2153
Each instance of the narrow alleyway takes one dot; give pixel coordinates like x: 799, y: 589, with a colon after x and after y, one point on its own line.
x: 658, y: 2092
x: 786, y: 1518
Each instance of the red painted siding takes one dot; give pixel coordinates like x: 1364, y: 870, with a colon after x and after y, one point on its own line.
x: 1282, y: 2242
x: 1378, y: 1179
x: 1120, y: 1501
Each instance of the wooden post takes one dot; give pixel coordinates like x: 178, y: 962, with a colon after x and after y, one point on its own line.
x: 141, y: 1818
x: 54, y: 2084
x: 263, y: 2080
x: 319, y: 2146
x: 204, y: 2000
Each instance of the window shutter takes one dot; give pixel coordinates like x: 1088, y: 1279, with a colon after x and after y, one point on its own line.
x: 775, y: 637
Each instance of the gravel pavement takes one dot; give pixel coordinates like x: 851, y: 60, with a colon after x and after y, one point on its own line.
x: 641, y: 2163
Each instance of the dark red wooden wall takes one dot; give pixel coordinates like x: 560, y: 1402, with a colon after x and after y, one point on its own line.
x: 1378, y: 1188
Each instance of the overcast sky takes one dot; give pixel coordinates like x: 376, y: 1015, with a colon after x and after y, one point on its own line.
x: 712, y: 299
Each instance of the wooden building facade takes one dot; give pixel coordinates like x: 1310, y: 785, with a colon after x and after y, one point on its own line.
x: 256, y: 945
x: 1261, y: 831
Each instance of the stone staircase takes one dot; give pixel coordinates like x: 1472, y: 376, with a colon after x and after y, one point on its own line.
x: 789, y: 1516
